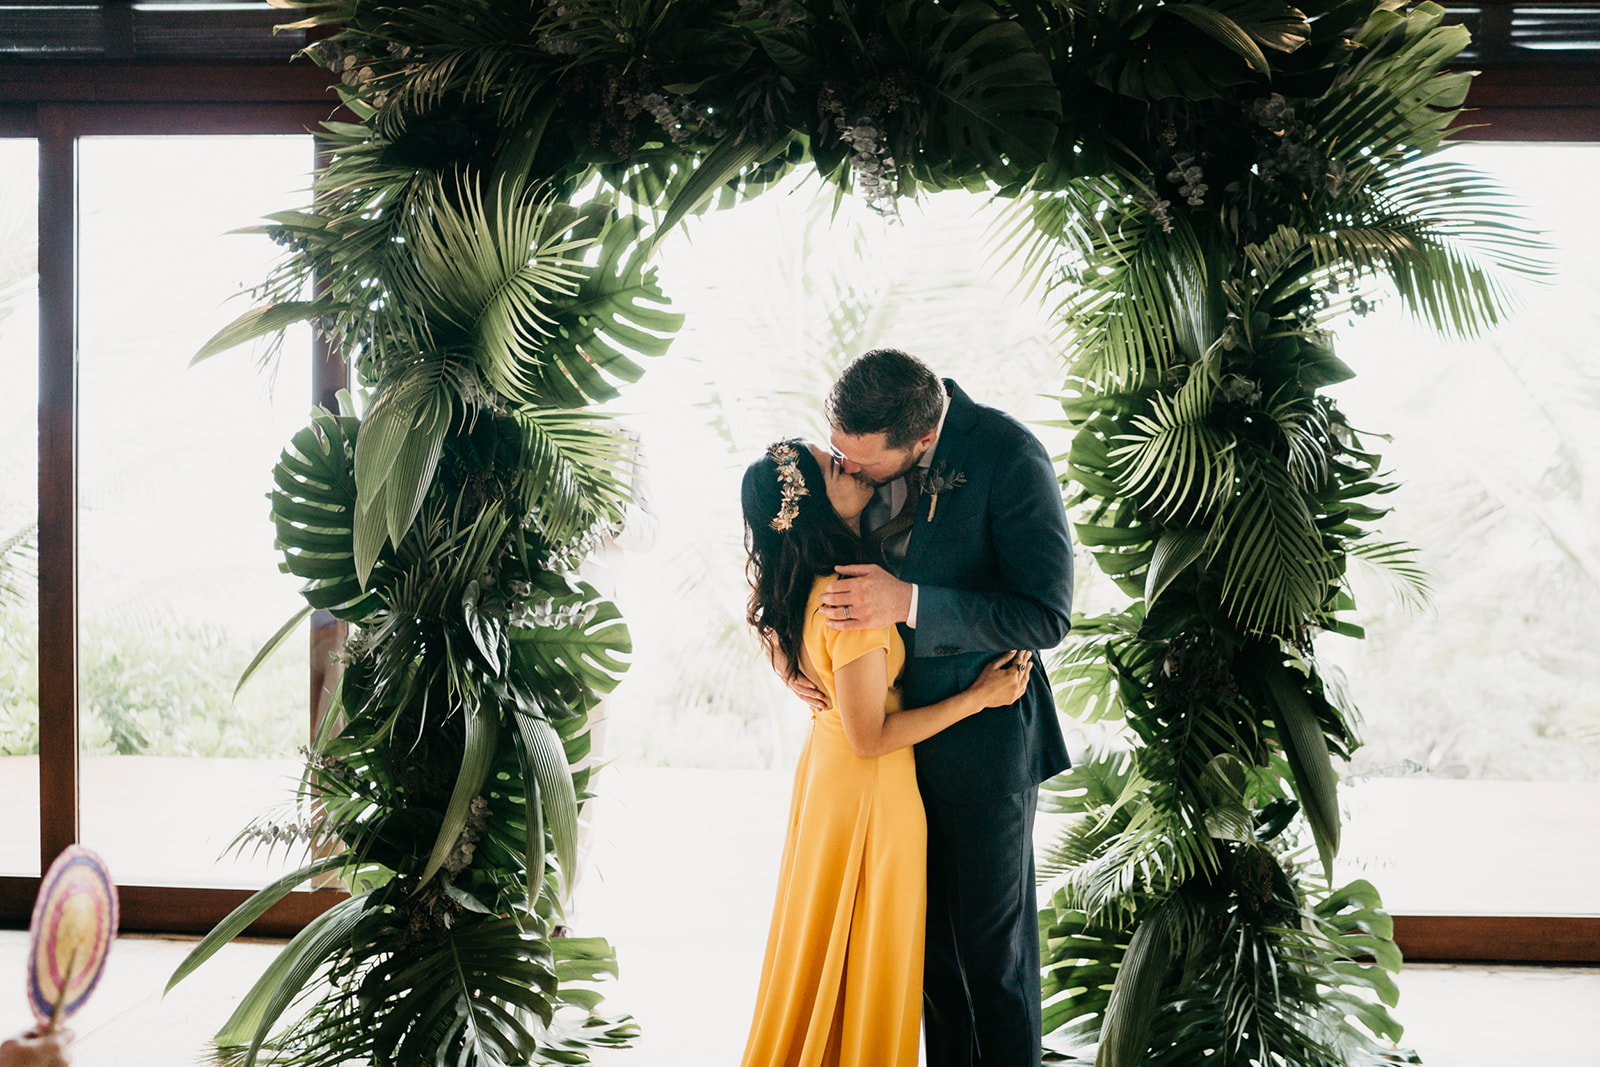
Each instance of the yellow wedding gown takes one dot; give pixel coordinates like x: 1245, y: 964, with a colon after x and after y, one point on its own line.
x: 842, y: 982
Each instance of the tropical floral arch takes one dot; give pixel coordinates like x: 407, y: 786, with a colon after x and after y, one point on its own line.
x: 1196, y: 189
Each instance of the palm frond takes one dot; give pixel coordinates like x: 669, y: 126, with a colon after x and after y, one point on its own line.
x: 1136, y: 994
x: 1308, y: 437
x: 1116, y: 312
x: 483, y: 991
x: 1395, y: 563
x: 1276, y: 571
x: 1397, y: 97
x: 1176, y: 461
x: 397, y: 451
x: 576, y: 469
x: 1447, y: 237
x: 323, y: 938
x: 1082, y: 679
x: 490, y: 270
x: 17, y: 550
x: 1048, y: 231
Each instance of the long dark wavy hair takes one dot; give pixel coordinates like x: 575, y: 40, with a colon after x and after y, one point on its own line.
x: 783, y: 564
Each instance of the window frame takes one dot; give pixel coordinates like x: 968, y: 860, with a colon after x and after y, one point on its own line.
x: 57, y: 102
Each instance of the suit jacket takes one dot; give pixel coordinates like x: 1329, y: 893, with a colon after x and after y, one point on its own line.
x: 994, y: 567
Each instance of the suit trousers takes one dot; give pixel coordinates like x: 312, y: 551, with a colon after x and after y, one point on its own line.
x: 980, y: 987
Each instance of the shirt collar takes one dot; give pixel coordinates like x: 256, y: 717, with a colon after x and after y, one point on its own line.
x: 927, y: 457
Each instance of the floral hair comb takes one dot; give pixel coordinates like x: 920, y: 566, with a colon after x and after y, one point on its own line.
x: 792, y: 482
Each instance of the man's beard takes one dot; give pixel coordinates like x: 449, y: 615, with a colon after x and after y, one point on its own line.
x: 911, y: 461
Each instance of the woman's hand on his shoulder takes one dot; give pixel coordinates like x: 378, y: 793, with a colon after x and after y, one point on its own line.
x: 1003, y: 680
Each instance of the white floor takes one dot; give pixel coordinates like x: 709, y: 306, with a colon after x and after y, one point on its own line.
x: 681, y: 883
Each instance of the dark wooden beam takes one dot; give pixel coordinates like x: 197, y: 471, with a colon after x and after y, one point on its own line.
x: 1554, y: 103
x: 1499, y: 938
x: 18, y: 120
x: 195, y: 911
x: 185, y: 911
x: 58, y: 485
x: 329, y: 374
x: 178, y: 119
x: 56, y: 81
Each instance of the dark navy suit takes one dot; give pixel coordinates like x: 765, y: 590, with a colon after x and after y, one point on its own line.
x: 994, y: 570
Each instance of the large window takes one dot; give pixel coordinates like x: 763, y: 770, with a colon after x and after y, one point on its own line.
x: 148, y: 577
x: 178, y: 584
x: 157, y: 577
x: 1478, y: 791
x: 19, y: 469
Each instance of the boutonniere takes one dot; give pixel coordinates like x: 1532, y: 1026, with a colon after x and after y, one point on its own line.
x: 940, y: 480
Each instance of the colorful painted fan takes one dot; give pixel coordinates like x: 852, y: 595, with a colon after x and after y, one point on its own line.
x: 74, y: 923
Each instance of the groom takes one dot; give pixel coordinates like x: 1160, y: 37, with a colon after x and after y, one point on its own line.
x: 969, y: 518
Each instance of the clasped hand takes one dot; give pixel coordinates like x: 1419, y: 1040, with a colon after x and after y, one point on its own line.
x: 866, y: 598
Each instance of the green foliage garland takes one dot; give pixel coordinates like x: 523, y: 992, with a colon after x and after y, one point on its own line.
x: 1198, y: 188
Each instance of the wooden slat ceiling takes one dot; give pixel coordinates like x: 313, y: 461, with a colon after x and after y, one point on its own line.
x: 1504, y: 34
x: 1521, y: 35
x: 147, y: 30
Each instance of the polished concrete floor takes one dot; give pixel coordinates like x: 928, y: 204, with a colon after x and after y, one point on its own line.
x: 681, y: 881
x: 692, y: 1000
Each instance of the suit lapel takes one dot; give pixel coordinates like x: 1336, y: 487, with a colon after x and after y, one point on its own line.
x: 950, y: 451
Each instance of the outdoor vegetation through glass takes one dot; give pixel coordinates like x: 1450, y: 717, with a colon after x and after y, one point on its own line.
x: 1192, y: 226
x: 19, y: 452
x: 1482, y: 720
x: 1479, y: 706
x: 178, y: 576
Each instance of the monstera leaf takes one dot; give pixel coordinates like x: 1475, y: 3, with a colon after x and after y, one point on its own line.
x: 1193, y: 51
x: 992, y: 102
x: 478, y: 982
x: 313, y: 508
x: 616, y: 311
x: 575, y: 657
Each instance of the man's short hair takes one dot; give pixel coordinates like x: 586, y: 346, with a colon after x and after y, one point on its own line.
x: 889, y: 392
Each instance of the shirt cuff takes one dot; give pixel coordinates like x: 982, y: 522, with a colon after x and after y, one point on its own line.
x: 911, y: 616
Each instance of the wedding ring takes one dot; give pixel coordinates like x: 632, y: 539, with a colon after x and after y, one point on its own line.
x: 847, y: 611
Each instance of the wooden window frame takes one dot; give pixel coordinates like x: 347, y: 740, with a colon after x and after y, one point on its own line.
x: 57, y: 102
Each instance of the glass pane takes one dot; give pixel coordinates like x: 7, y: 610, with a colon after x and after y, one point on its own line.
x: 19, y: 479
x: 1478, y: 791
x: 178, y: 575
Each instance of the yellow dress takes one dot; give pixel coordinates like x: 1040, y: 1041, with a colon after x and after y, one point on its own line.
x: 842, y: 982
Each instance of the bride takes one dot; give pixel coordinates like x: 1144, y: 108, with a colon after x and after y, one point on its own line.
x: 841, y: 985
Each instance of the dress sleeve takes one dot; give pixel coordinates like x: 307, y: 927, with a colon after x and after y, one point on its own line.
x: 846, y: 646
